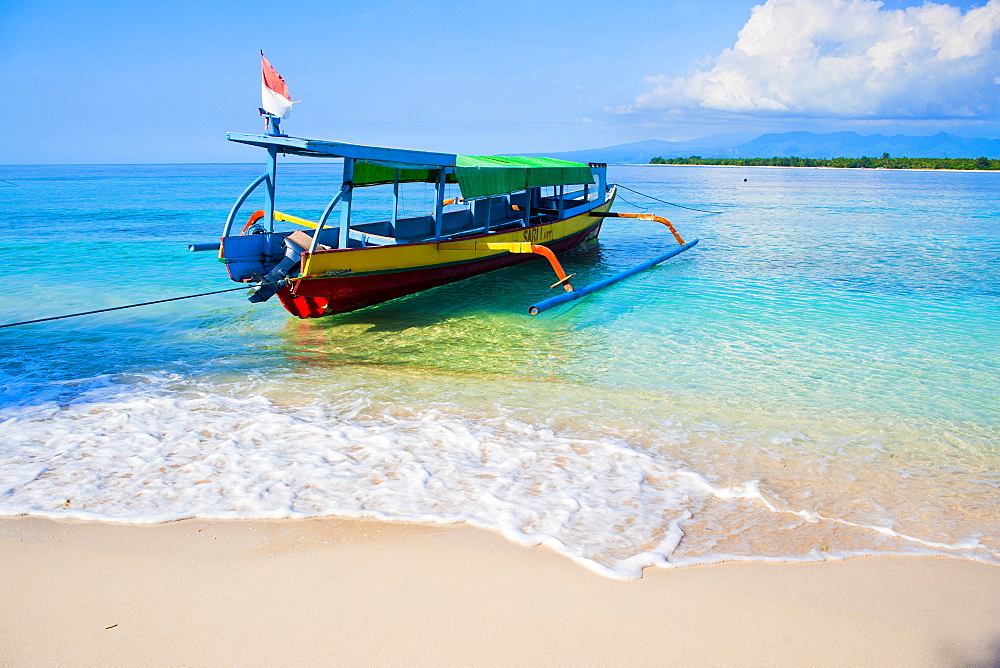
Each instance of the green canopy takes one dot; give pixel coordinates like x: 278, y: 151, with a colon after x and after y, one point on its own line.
x: 485, y: 175
x: 367, y: 174
x: 477, y: 175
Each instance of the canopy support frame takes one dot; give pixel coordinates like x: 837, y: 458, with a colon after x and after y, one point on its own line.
x: 439, y: 203
x: 239, y: 203
x: 395, y: 197
x: 272, y: 172
x: 322, y: 220
x: 347, y: 195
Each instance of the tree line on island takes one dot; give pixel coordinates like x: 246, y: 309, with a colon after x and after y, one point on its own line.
x: 885, y: 162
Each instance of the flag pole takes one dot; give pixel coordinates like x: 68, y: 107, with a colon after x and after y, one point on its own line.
x: 272, y: 126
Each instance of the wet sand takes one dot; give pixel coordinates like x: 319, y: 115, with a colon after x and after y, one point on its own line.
x: 330, y: 590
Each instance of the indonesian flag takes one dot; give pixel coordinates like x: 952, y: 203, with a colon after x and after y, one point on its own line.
x: 274, y: 91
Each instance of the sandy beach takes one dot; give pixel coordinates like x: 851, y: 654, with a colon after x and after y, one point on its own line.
x: 348, y: 591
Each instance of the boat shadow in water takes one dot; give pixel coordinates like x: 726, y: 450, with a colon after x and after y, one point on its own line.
x: 476, y: 326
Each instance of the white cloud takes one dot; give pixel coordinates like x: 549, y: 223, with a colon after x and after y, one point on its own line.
x: 850, y: 59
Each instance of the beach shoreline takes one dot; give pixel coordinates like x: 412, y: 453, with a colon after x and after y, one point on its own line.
x: 227, y: 592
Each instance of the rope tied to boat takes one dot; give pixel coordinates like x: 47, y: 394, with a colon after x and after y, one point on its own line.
x: 657, y: 199
x: 119, y: 308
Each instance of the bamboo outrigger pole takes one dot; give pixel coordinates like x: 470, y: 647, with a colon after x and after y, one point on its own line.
x: 572, y: 294
x: 552, y: 302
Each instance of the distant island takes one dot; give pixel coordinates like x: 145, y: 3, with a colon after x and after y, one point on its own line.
x: 864, y: 162
x: 834, y: 147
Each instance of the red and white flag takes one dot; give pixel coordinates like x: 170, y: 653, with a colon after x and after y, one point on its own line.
x: 274, y: 91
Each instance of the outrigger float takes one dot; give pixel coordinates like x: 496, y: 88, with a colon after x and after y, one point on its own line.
x: 511, y: 209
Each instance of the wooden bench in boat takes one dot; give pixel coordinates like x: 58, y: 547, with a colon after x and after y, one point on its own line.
x: 496, y: 212
x: 488, y: 215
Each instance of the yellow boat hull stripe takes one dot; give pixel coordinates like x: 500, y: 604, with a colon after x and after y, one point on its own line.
x: 404, y: 257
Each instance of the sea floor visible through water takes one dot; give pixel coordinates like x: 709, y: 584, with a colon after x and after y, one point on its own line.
x: 819, y: 378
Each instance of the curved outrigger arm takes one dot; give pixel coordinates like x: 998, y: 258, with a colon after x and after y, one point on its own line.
x: 642, y: 216
x: 527, y: 247
x: 344, y: 189
x: 278, y: 276
x: 239, y: 202
x: 570, y: 295
x: 552, y: 302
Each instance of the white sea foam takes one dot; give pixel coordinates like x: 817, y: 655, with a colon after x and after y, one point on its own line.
x: 159, y: 448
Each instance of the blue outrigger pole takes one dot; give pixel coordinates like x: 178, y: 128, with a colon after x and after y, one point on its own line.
x: 572, y: 294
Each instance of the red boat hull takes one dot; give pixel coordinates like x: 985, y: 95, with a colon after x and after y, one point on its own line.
x: 325, y: 296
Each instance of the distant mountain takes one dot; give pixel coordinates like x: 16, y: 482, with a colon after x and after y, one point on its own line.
x: 787, y: 144
x: 643, y: 151
x: 853, y: 145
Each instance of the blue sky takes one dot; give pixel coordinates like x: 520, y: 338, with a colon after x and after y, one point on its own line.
x: 109, y: 81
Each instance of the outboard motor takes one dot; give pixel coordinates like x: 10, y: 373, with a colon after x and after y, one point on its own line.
x: 294, y: 245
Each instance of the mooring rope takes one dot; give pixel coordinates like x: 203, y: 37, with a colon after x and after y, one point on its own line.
x: 680, y: 206
x: 217, y: 292
x: 119, y: 308
x: 632, y: 204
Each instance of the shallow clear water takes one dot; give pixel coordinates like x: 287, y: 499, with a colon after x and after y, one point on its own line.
x: 818, y: 378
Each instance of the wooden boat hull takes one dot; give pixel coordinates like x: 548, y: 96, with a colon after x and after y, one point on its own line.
x: 339, y: 281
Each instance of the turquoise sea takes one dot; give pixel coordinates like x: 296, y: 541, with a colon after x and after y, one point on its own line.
x: 818, y: 378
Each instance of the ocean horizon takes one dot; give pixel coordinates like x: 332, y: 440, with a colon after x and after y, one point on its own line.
x: 818, y: 379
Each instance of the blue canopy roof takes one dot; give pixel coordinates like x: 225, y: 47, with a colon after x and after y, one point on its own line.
x: 476, y: 175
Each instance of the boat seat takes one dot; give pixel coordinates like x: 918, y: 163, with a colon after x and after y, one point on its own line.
x: 495, y: 209
x: 422, y: 228
x: 383, y: 228
x: 456, y: 221
x: 371, y: 239
x: 409, y: 230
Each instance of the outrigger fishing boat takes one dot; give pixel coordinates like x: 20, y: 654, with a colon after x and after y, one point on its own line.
x: 511, y: 209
